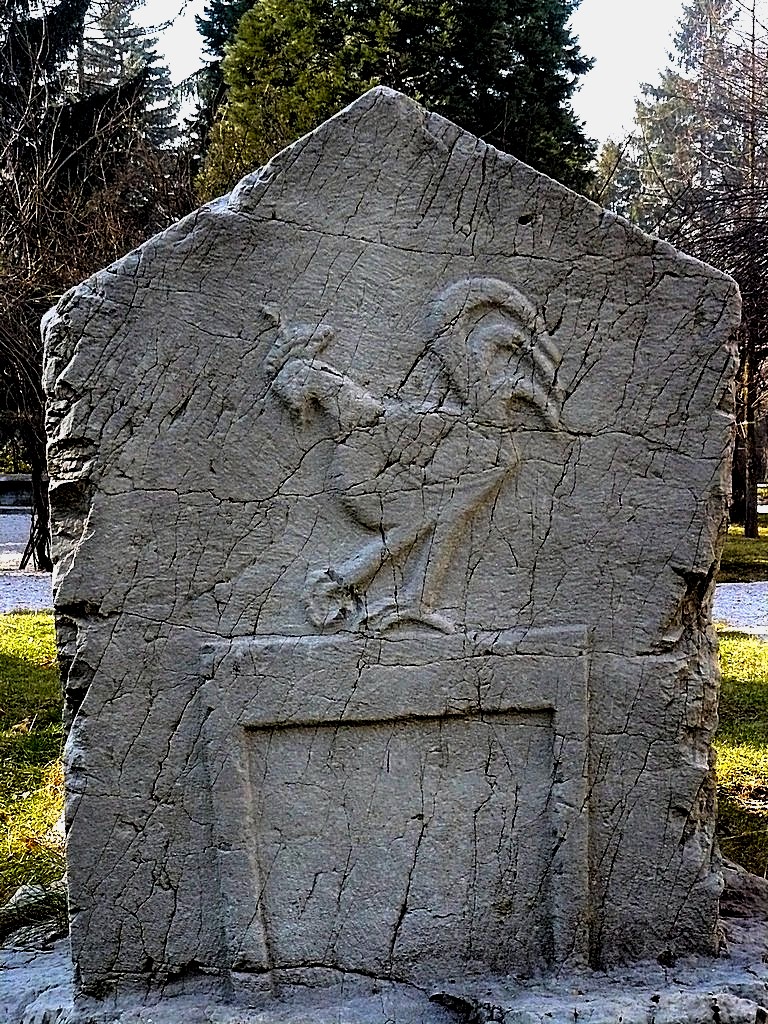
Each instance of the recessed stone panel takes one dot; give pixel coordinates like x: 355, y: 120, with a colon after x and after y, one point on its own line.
x: 413, y: 807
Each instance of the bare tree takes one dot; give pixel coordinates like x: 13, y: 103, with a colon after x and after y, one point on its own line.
x: 80, y: 183
x: 698, y: 164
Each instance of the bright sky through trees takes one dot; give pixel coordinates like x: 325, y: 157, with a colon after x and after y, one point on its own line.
x: 630, y: 40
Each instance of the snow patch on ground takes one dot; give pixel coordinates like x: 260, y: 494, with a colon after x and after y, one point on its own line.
x: 742, y: 606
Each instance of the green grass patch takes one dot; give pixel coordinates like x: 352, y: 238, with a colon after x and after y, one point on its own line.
x: 745, y: 559
x: 742, y: 751
x: 31, y: 790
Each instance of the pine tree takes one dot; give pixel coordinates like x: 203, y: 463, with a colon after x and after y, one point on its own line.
x: 503, y: 69
x: 701, y: 159
x: 617, y: 178
x: 218, y: 26
x: 116, y: 50
x: 219, y: 22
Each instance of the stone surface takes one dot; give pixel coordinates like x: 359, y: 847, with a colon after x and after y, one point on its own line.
x: 387, y: 498
x: 35, y: 985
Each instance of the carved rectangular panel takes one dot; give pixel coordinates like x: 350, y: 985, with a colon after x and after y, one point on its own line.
x: 401, y: 805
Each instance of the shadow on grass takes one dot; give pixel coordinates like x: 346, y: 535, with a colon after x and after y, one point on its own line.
x: 742, y: 832
x: 745, y: 559
x: 29, y: 677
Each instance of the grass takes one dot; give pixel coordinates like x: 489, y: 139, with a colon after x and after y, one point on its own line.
x: 745, y: 559
x: 31, y: 785
x: 742, y: 751
x: 742, y: 740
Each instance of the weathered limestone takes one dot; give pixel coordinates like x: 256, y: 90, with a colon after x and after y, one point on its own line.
x: 387, y: 498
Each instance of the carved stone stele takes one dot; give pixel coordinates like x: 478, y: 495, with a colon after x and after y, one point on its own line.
x: 387, y: 498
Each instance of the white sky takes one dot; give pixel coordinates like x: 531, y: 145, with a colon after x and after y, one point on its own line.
x: 629, y: 39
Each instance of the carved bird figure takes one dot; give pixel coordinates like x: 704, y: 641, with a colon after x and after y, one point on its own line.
x: 414, y: 469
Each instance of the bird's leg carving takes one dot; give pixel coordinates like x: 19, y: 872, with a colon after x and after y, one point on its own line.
x: 423, y: 554
x: 470, y: 495
x: 334, y: 594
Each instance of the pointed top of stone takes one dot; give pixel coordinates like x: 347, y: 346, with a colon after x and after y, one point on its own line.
x: 376, y: 140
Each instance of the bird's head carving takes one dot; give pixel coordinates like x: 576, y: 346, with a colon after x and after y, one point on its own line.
x: 492, y: 347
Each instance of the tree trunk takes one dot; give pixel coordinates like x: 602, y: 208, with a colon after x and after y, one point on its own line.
x: 749, y: 432
x: 751, y: 480
x: 38, y: 548
x: 738, y: 472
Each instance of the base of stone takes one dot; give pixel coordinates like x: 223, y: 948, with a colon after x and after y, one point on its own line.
x: 36, y: 988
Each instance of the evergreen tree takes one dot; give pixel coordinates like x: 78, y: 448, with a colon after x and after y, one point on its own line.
x: 503, y: 69
x: 219, y: 22
x: 617, y: 178
x: 701, y: 165
x: 689, y: 124
x: 115, y: 51
x: 218, y: 26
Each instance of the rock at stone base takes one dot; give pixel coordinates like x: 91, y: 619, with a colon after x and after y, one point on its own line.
x: 35, y: 916
x: 35, y: 986
x: 745, y: 894
x: 36, y: 989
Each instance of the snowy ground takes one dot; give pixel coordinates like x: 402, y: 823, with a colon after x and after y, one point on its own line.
x: 19, y: 589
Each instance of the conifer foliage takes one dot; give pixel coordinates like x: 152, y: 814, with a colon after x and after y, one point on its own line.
x: 217, y: 27
x: 116, y: 50
x: 696, y: 173
x: 503, y: 69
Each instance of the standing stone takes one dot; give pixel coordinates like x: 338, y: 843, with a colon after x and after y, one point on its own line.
x: 388, y: 494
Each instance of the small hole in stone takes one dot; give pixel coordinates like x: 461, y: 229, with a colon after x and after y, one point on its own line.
x: 525, y: 219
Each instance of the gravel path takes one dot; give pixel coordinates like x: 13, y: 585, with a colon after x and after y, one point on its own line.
x: 742, y: 606
x: 28, y: 590
x: 14, y: 531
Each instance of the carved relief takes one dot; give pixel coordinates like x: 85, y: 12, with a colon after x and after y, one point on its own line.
x: 438, y: 791
x: 394, y: 469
